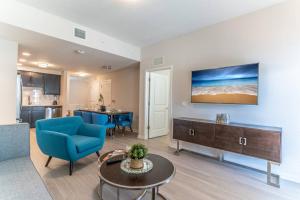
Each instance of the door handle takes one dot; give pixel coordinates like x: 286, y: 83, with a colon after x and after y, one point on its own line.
x: 240, y: 140
x: 191, y: 132
x: 245, y: 142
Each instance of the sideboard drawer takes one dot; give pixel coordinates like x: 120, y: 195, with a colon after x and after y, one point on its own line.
x: 263, y: 144
x: 182, y: 130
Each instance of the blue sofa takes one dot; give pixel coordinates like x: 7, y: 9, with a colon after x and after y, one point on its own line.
x: 69, y: 138
x: 19, y: 179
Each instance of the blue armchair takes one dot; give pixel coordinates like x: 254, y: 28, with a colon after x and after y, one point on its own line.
x: 69, y: 138
x: 124, y: 120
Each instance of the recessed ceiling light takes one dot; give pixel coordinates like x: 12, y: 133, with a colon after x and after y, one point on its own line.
x: 19, y: 64
x: 79, y: 51
x: 43, y: 65
x: 26, y: 54
x: 22, y: 60
x: 82, y: 74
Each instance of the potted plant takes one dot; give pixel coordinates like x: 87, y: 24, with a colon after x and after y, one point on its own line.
x: 137, y: 153
x: 101, y: 102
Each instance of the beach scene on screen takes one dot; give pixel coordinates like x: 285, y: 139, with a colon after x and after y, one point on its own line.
x: 237, y: 85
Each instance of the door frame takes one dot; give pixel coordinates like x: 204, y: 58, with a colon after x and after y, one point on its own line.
x: 147, y: 98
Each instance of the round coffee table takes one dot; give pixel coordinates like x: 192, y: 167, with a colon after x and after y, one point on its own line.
x: 162, y: 172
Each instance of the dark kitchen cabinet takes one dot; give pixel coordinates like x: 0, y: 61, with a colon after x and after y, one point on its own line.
x: 51, y: 84
x: 32, y: 79
x: 30, y: 114
x: 26, y: 115
x: 37, y: 113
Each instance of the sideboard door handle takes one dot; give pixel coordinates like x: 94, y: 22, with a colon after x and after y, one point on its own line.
x: 193, y: 132
x: 245, y: 141
x: 241, y: 140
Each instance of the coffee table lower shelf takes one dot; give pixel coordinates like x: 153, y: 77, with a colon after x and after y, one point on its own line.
x: 154, y: 192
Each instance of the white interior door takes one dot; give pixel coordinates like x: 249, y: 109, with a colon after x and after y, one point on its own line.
x: 106, y: 91
x: 159, y: 104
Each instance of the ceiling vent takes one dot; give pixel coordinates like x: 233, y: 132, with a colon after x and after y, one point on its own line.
x: 158, y: 61
x: 79, y: 33
x: 107, y: 67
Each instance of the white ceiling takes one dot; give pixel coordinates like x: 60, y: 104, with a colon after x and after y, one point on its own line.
x: 61, y: 53
x: 144, y: 22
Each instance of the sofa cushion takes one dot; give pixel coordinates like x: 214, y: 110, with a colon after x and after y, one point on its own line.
x: 84, y: 143
x: 19, y: 180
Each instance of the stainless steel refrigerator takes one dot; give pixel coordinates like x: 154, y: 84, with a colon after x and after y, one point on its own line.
x: 19, y: 98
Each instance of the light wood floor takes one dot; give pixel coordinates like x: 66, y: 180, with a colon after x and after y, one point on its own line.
x: 197, y: 177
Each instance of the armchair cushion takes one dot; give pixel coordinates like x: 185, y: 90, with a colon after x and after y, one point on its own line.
x: 84, y: 143
x: 56, y: 144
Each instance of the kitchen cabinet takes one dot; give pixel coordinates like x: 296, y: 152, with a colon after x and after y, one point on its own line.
x: 37, y: 113
x: 30, y: 114
x: 26, y: 115
x: 32, y: 79
x: 51, y: 84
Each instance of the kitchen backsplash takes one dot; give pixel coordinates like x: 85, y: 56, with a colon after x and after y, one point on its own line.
x: 37, y: 97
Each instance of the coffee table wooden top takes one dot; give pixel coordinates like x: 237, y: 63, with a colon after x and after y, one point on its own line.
x: 162, y: 172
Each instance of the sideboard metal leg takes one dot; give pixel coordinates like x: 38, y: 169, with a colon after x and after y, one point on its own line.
x: 271, y: 177
x: 221, y: 156
x: 177, y: 148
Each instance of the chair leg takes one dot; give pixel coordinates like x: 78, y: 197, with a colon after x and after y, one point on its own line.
x: 98, y: 154
x: 131, y: 129
x: 48, y: 161
x: 123, y: 130
x: 71, y: 168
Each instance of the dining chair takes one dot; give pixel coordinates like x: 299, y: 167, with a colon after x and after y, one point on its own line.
x: 103, y: 119
x: 124, y: 120
x: 87, y: 117
x: 77, y: 113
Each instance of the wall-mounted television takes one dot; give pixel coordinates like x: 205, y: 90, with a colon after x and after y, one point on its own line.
x: 226, y: 85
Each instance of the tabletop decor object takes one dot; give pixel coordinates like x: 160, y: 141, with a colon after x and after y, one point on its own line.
x: 126, y: 167
x: 137, y: 153
x: 101, y: 102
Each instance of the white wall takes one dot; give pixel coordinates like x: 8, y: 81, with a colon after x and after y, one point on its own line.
x: 125, y: 90
x: 8, y: 80
x: 270, y: 36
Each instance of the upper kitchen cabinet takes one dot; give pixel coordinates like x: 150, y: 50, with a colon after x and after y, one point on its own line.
x: 51, y: 84
x: 32, y: 79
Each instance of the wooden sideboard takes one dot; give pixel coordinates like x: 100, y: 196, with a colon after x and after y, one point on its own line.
x: 252, y: 140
